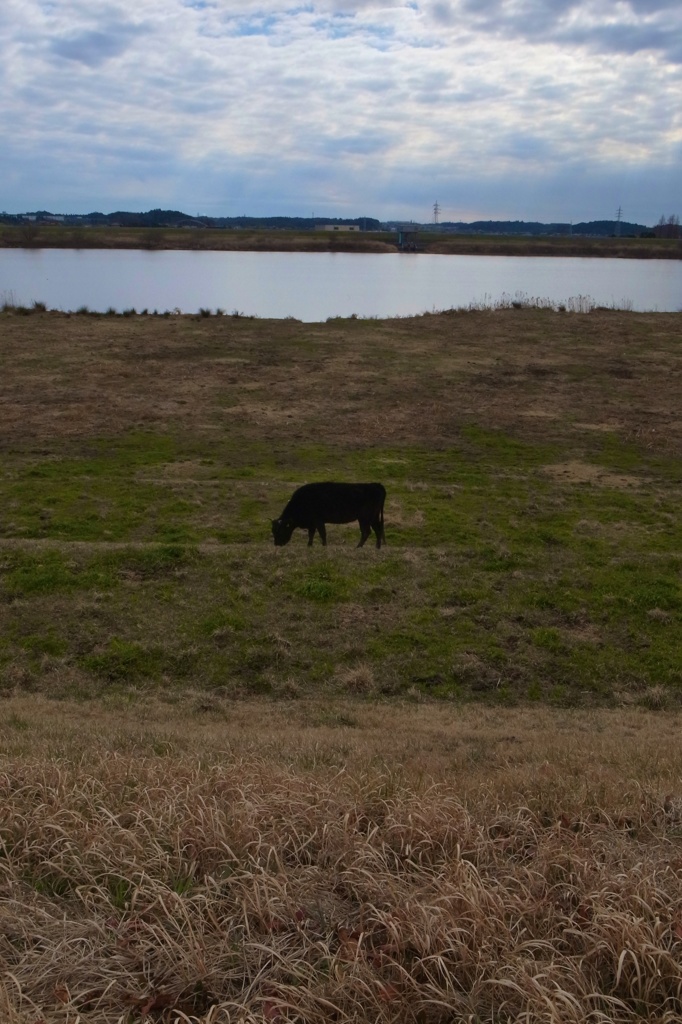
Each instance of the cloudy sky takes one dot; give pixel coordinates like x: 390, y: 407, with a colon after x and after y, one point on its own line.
x: 530, y: 109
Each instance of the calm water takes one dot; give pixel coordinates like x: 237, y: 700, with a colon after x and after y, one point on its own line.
x: 314, y: 286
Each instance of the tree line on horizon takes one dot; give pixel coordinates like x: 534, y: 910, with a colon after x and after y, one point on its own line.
x: 667, y: 227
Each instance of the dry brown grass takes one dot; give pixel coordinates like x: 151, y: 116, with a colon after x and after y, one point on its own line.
x: 51, y: 236
x: 344, y: 862
x: 534, y: 373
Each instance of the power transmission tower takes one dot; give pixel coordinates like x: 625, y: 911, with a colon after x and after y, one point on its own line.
x: 619, y: 214
x: 436, y: 212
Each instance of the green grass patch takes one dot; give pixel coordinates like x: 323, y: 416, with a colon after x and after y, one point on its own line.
x: 497, y: 580
x: 24, y: 573
x: 122, y: 660
x: 321, y: 583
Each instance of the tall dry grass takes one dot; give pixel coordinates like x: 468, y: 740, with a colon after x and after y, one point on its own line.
x: 278, y: 863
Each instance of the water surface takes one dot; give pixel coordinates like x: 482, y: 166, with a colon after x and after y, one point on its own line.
x: 315, y: 286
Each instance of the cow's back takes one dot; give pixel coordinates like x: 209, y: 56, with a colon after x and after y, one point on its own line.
x: 333, y: 502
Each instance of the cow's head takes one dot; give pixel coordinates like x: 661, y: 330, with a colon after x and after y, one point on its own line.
x: 282, y: 531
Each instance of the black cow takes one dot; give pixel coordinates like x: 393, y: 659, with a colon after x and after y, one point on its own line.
x: 313, y: 505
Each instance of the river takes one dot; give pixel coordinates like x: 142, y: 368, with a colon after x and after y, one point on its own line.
x: 316, y: 286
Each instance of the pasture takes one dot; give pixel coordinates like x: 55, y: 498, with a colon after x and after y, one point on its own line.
x: 532, y: 466
x: 435, y: 782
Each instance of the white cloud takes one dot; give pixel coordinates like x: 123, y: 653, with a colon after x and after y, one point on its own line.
x: 346, y: 105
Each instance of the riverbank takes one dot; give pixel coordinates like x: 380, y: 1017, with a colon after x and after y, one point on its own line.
x: 55, y: 236
x: 437, y: 781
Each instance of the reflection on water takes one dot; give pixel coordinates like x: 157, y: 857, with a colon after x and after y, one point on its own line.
x: 315, y: 286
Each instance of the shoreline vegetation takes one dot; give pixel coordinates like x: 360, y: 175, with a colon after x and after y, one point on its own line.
x: 435, y: 783
x: 50, y: 236
x: 519, y: 300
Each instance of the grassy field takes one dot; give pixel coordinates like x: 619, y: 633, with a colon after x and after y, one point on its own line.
x: 439, y: 782
x: 534, y: 481
x: 56, y: 236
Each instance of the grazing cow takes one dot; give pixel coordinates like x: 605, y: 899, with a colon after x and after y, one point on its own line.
x: 313, y: 505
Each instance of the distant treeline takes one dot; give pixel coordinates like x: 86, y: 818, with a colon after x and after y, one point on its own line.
x: 527, y: 227
x: 177, y: 219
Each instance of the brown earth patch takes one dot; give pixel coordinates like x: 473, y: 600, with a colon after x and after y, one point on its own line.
x: 540, y: 414
x: 606, y: 428
x: 584, y: 634
x: 400, y: 517
x: 576, y: 472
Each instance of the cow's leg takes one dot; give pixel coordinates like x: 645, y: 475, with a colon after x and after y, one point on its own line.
x: 376, y: 526
x: 365, y: 530
x: 321, y: 529
x: 311, y: 534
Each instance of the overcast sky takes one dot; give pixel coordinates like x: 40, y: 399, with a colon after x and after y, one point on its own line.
x: 530, y: 109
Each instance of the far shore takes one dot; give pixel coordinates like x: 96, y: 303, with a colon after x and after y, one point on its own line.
x: 47, y: 236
